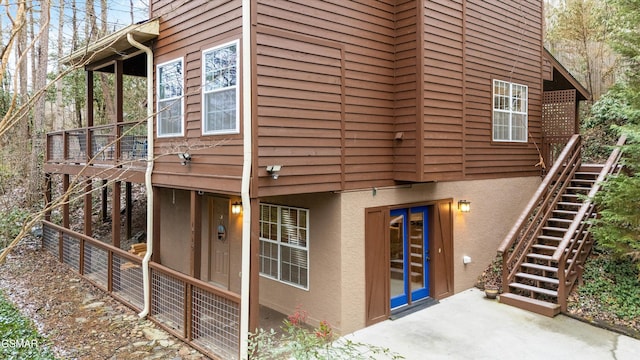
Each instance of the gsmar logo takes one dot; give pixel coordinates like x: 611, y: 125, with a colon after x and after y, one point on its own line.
x: 19, y: 343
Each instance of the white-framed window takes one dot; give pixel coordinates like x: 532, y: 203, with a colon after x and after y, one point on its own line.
x: 284, y: 244
x: 220, y: 105
x: 510, y: 111
x: 170, y: 93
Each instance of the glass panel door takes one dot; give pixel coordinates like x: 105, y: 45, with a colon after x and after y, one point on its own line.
x: 419, y: 253
x: 397, y: 231
x: 409, y: 255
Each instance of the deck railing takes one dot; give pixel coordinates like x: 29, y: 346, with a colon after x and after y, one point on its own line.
x: 202, y: 315
x: 576, y: 240
x: 122, y: 144
x: 529, y: 225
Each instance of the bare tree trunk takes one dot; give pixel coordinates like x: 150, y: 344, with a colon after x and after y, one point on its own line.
x: 37, y: 151
x: 78, y: 96
x: 109, y: 105
x: 58, y: 120
x: 21, y: 128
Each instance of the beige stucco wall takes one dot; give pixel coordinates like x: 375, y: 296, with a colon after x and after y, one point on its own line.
x: 322, y: 300
x: 175, y: 229
x: 495, y: 205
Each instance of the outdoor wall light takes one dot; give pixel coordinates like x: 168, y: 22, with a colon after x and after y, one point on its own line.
x: 274, y: 171
x: 185, y: 158
x: 464, y: 206
x: 236, y: 208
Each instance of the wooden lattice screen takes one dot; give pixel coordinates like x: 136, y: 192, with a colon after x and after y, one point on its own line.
x: 559, y: 122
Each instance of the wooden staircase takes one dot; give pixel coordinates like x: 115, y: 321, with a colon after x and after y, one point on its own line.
x: 544, y: 253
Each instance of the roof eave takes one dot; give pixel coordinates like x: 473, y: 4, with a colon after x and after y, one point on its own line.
x: 555, y: 64
x: 113, y: 44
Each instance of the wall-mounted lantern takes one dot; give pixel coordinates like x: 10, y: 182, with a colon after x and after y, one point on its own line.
x: 464, y: 206
x: 236, y: 208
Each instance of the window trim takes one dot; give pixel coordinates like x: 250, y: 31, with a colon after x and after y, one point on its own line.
x: 181, y: 99
x: 510, y: 112
x: 235, y: 130
x: 281, y: 244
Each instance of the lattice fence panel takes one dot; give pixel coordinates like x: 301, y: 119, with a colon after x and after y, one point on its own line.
x: 95, y: 264
x: 50, y: 240
x: 71, y: 252
x: 215, y: 323
x: 559, y: 113
x: 167, y: 300
x: 127, y: 281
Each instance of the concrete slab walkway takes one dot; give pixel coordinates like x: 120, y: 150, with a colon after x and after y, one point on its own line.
x: 469, y: 326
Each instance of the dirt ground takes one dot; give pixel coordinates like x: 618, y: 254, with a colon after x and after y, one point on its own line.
x: 81, y: 321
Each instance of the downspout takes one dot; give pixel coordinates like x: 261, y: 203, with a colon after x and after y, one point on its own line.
x: 146, y: 283
x: 246, y: 178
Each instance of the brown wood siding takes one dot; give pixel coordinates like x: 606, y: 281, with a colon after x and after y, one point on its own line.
x: 443, y: 90
x: 407, y: 149
x: 329, y: 118
x: 185, y: 31
x: 502, y: 41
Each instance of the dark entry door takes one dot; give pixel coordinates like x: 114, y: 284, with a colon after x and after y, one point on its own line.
x: 408, y: 255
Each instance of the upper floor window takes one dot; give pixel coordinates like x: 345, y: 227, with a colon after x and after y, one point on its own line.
x: 220, y: 113
x: 510, y: 107
x: 284, y: 244
x: 170, y: 102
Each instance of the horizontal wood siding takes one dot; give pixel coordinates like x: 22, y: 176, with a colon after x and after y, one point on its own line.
x: 299, y: 88
x: 407, y: 147
x: 186, y: 29
x: 503, y: 40
x: 328, y: 118
x: 443, y: 90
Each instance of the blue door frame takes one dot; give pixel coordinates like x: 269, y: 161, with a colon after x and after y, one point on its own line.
x: 409, y: 255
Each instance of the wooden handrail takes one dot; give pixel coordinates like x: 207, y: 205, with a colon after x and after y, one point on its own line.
x: 195, y: 282
x: 514, y: 247
x: 542, y: 190
x: 571, y: 244
x: 612, y: 161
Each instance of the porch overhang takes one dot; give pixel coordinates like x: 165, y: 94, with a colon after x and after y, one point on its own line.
x: 115, y: 44
x: 561, y: 78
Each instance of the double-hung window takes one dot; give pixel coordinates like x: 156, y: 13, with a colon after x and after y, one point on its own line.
x: 170, y: 93
x: 510, y: 107
x: 284, y: 244
x: 220, y: 112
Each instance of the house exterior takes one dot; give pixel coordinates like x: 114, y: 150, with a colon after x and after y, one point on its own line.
x: 315, y: 154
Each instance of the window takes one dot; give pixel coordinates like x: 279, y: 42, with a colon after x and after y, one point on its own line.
x: 284, y: 244
x: 170, y: 102
x: 509, y: 111
x: 220, y: 90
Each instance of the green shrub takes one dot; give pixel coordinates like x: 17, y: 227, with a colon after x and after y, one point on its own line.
x: 297, y: 341
x: 11, y: 222
x: 20, y: 340
x: 614, y: 284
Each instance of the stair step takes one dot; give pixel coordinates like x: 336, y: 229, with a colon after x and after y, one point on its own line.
x: 550, y: 238
x: 583, y: 181
x: 566, y: 203
x: 544, y: 247
x: 539, y: 256
x: 565, y: 212
x: 537, y: 278
x: 553, y: 228
x: 540, y: 267
x: 579, y: 188
x: 564, y: 221
x: 529, y: 304
x: 534, y: 289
